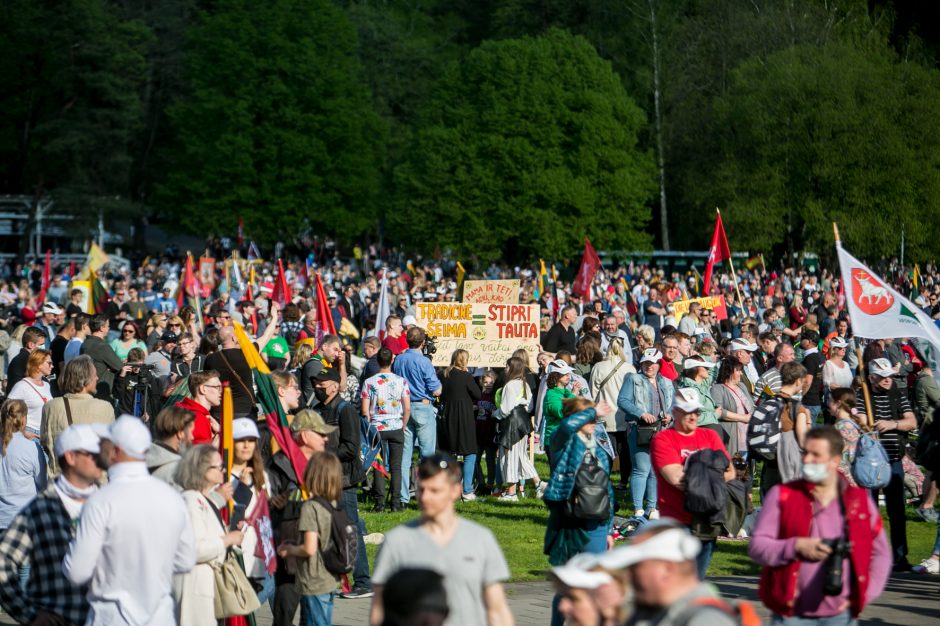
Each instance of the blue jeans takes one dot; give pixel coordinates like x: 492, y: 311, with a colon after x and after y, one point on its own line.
x: 597, y: 543
x: 704, y: 558
x: 423, y: 425
x: 469, y: 466
x: 842, y: 619
x: 814, y: 411
x: 267, y: 588
x: 361, y: 577
x: 316, y: 610
x: 642, y: 476
x: 936, y: 544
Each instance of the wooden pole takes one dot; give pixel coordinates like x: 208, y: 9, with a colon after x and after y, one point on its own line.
x: 864, y: 385
x: 734, y: 277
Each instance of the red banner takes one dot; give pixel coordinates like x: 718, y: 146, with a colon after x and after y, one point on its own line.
x: 590, y: 263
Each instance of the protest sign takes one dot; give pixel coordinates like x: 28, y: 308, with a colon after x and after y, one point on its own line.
x: 712, y: 303
x: 491, y: 291
x: 489, y: 332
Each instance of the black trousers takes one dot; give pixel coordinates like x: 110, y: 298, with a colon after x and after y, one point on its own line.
x: 395, y: 441
x: 622, y: 449
x: 897, y: 515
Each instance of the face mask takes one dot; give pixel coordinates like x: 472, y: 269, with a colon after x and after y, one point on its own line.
x: 320, y: 394
x: 815, y: 472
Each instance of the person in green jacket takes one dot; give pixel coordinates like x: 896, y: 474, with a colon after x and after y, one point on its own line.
x: 559, y: 375
x: 696, y: 373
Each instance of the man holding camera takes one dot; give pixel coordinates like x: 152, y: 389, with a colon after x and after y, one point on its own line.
x: 820, y: 541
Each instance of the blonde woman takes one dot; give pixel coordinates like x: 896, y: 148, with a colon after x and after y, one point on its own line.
x: 22, y: 463
x: 458, y: 429
x: 34, y: 390
x: 155, y: 328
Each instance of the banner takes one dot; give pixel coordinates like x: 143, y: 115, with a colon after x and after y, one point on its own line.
x: 590, y: 263
x: 712, y: 303
x: 489, y: 332
x: 491, y: 291
x: 85, y: 287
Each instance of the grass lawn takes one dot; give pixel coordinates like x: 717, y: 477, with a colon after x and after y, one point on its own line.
x: 519, y: 528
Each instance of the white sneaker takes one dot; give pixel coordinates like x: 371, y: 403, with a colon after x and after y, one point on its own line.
x: 374, y: 539
x: 509, y: 497
x: 468, y: 497
x: 639, y: 513
x: 654, y: 514
x: 928, y: 566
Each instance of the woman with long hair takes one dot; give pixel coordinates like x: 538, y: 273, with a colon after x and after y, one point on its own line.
x: 131, y: 337
x: 589, y: 354
x: 22, y: 463
x: 850, y: 424
x: 514, y: 464
x: 155, y: 328
x: 459, y: 392
x: 34, y: 390
x: 732, y: 397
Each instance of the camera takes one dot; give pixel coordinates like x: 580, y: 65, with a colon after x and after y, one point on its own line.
x: 835, y: 565
x: 140, y: 374
x: 430, y: 347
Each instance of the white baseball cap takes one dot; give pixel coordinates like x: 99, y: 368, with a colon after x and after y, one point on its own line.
x: 576, y: 573
x: 244, y: 428
x: 53, y: 308
x: 838, y: 342
x: 692, y: 362
x: 743, y: 344
x: 688, y: 400
x: 131, y: 435
x: 651, y: 355
x: 558, y: 366
x: 77, y: 437
x: 881, y: 367
x: 409, y: 320
x: 676, y: 545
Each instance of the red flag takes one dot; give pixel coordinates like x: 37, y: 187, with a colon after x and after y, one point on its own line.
x: 260, y: 519
x: 324, y: 317
x: 590, y: 263
x: 46, y: 278
x: 188, y: 287
x: 240, y: 236
x: 717, y: 253
x: 280, y: 293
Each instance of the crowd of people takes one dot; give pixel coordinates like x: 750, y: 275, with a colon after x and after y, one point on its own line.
x: 743, y: 421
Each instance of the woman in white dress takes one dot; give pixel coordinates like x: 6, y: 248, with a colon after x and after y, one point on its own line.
x: 514, y: 464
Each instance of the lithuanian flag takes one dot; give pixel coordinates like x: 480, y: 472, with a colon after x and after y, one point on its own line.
x: 267, y: 397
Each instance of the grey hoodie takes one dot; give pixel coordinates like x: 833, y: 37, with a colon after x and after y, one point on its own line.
x: 162, y: 462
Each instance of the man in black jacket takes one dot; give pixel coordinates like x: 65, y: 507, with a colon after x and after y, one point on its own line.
x: 107, y: 363
x: 344, y: 443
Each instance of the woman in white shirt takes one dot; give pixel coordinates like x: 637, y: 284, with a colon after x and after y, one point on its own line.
x: 34, y: 390
x: 836, y: 372
x: 514, y: 463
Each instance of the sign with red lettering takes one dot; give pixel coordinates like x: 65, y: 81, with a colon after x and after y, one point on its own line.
x: 490, y: 332
x: 491, y: 291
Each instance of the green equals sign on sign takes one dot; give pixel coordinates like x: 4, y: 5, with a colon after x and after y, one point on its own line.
x: 479, y: 320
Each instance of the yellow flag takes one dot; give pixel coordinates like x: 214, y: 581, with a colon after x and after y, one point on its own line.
x: 916, y: 277
x: 96, y: 258
x: 542, y: 274
x: 461, y: 272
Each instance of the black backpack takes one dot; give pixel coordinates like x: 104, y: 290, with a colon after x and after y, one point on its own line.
x: 589, y: 499
x: 339, y: 556
x: 763, y: 429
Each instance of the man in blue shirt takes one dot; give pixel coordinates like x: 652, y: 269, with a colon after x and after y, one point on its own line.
x: 416, y: 368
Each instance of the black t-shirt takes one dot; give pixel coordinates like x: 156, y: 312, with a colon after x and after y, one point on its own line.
x: 558, y: 338
x: 814, y: 364
x: 17, y: 369
x: 233, y: 369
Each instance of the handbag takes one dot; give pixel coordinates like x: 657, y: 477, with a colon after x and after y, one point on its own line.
x: 517, y: 425
x: 234, y: 595
x: 589, y: 499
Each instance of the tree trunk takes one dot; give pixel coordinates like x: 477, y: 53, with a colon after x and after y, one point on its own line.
x: 658, y: 115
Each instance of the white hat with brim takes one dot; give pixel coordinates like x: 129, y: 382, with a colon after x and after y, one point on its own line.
x: 244, y: 428
x: 692, y: 363
x: 743, y: 344
x: 687, y: 400
x: 676, y: 545
x: 131, y: 435
x: 52, y: 308
x: 838, y: 342
x: 577, y: 574
x: 409, y: 320
x: 77, y: 437
x: 651, y: 355
x: 881, y: 367
x: 558, y: 366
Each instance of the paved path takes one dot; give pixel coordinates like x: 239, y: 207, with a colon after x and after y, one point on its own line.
x: 910, y: 600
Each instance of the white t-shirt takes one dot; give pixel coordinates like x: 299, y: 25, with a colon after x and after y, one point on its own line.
x: 35, y: 396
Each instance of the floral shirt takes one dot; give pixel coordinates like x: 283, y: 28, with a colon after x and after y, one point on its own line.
x: 850, y: 434
x: 383, y: 394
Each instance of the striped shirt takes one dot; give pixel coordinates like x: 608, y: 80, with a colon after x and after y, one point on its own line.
x: 891, y: 406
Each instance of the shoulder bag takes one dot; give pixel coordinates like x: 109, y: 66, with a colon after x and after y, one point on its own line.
x: 234, y: 595
x: 517, y: 425
x: 645, y: 432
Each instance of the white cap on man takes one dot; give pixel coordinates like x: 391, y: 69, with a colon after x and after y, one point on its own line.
x: 52, y: 308
x: 131, y: 435
x: 881, y: 367
x: 77, y: 437
x: 742, y: 344
x: 688, y: 400
x: 676, y: 544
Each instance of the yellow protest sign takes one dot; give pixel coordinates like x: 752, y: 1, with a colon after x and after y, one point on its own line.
x: 712, y: 303
x: 489, y: 332
x: 491, y: 291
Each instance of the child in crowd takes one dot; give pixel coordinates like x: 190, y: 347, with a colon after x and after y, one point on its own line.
x: 486, y: 433
x: 323, y: 478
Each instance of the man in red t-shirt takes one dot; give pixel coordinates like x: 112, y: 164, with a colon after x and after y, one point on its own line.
x: 393, y: 335
x: 669, y: 450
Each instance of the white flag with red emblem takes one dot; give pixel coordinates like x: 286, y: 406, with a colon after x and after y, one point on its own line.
x: 877, y: 310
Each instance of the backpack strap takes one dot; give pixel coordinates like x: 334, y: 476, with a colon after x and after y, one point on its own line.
x: 68, y: 409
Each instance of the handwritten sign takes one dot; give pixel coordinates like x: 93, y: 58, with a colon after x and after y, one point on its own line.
x: 489, y: 332
x: 712, y: 303
x: 491, y: 291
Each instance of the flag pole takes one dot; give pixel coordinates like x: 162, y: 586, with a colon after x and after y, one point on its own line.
x: 858, y: 351
x: 734, y: 276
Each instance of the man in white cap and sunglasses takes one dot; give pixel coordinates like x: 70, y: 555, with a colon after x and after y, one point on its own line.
x: 660, y: 565
x: 38, y: 537
x: 134, y: 536
x: 669, y: 450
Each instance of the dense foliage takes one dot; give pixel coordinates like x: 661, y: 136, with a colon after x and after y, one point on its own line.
x: 495, y: 128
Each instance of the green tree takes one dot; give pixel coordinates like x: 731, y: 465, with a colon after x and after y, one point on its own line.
x: 829, y: 133
x: 525, y: 148
x: 278, y: 124
x: 71, y: 74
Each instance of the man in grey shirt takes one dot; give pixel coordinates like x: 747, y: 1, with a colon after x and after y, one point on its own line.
x: 463, y: 552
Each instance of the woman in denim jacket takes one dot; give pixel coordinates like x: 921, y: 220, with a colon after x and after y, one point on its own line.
x: 645, y: 398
